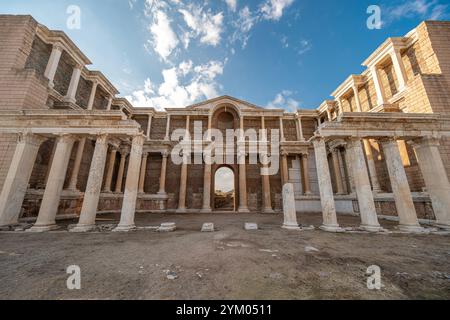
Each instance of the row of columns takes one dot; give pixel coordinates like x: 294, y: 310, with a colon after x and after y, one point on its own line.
x: 50, y: 73
x: 432, y: 168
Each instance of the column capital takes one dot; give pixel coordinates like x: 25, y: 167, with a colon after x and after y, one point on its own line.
x: 30, y: 138
x: 425, y: 141
x: 165, y: 154
x: 58, y: 46
x: 65, y: 137
x: 102, y: 138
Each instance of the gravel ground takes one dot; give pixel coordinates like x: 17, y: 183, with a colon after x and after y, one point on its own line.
x: 231, y: 263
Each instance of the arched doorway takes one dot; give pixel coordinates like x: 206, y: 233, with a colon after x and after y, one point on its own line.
x: 225, y: 189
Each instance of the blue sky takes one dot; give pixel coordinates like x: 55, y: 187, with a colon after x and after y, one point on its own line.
x: 274, y: 53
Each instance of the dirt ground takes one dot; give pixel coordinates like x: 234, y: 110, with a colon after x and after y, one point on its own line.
x: 231, y: 263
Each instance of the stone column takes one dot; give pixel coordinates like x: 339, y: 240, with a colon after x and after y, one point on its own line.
x: 49, y: 166
x: 337, y: 171
x: 143, y: 172
x: 300, y: 129
x: 46, y: 220
x: 369, y: 218
x: 267, y: 197
x: 357, y: 99
x: 52, y: 65
x: 108, y: 107
x: 326, y: 189
x: 348, y: 163
x: 372, y: 167
x: 400, y: 187
x: 328, y: 115
x: 183, y: 185
x: 90, y: 105
x: 284, y: 169
x: 436, y: 179
x: 73, y: 86
x: 167, y: 137
x: 16, y: 183
x: 149, y: 126
x: 305, y: 175
x: 162, y: 178
x: 207, y: 189
x: 289, y: 210
x: 131, y: 186
x: 381, y: 95
x: 119, y: 182
x: 109, y: 173
x: 76, y: 166
x: 283, y: 138
x: 93, y: 187
x: 399, y: 68
x: 243, y: 198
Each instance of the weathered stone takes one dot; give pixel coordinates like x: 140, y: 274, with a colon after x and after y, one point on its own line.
x: 290, y: 213
x: 251, y: 226
x: 208, y: 227
x: 167, y: 227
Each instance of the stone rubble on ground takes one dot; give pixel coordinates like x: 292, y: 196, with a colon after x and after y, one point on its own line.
x: 208, y: 227
x: 249, y: 226
x: 167, y: 227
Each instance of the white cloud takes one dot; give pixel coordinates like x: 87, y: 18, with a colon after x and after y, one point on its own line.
x: 181, y: 86
x: 232, y: 4
x: 273, y: 9
x: 284, y: 100
x: 304, y: 47
x: 204, y: 24
x: 424, y: 9
x: 164, y: 39
x: 243, y: 25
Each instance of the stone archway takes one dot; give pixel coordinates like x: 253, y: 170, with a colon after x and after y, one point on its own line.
x: 225, y: 193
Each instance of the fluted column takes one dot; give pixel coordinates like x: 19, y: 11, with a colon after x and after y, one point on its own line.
x: 76, y: 165
x: 162, y: 178
x: 400, y: 187
x: 131, y: 186
x: 52, y: 65
x: 301, y: 137
x: 337, y: 171
x: 93, y: 187
x: 109, y: 173
x: 18, y: 177
x: 369, y: 218
x: 46, y: 220
x: 119, y: 182
x: 372, y: 167
x: 357, y: 99
x: 143, y: 172
x: 305, y: 175
x: 326, y: 189
x: 436, y: 179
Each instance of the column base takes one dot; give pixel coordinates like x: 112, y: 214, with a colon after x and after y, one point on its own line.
x: 371, y: 228
x: 243, y: 210
x: 124, y: 228
x: 160, y: 193
x: 268, y: 210
x: 39, y: 229
x: 440, y: 225
x: 206, y: 210
x: 181, y: 211
x: 79, y: 228
x: 333, y: 228
x: 295, y: 227
x: 411, y: 229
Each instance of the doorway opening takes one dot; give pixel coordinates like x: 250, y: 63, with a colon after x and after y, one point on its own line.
x: 224, y: 190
